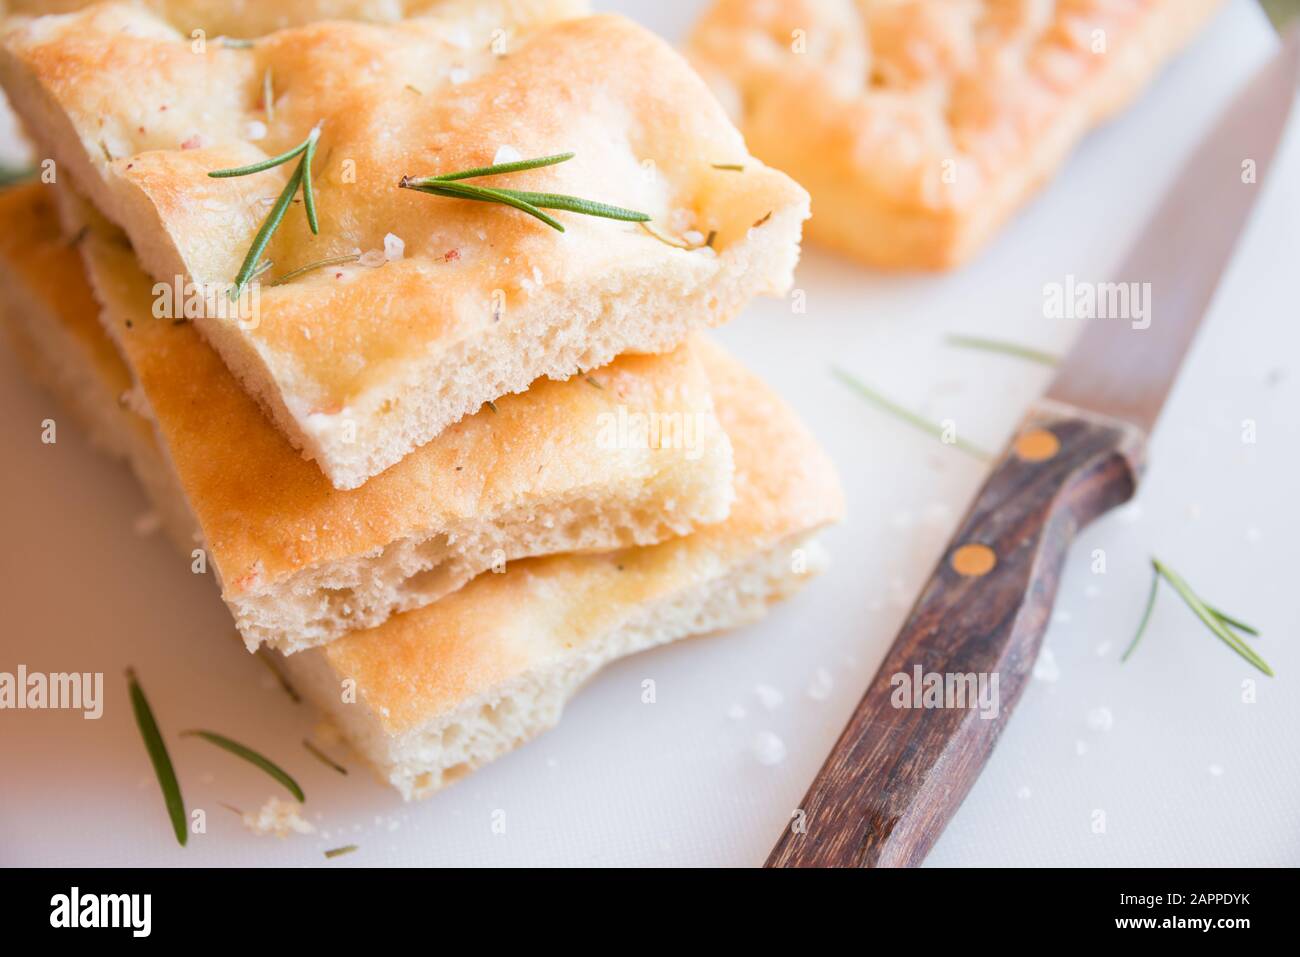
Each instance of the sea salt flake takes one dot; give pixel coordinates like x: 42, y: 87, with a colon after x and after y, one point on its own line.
x: 819, y: 687
x: 458, y: 75
x: 394, y: 248
x: 505, y: 154
x: 255, y: 130
x: 769, y: 697
x: 1046, y: 668
x: 1100, y: 719
x: 767, y: 748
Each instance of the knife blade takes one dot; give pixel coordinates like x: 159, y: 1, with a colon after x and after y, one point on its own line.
x: 934, y: 710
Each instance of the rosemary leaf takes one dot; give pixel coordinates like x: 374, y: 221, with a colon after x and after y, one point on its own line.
x: 448, y: 185
x: 162, y: 762
x: 1146, y: 615
x: 308, y: 195
x: 318, y: 264
x: 262, y: 165
x: 1209, y: 618
x: 907, y: 415
x: 251, y: 756
x: 499, y: 168
x: 263, y: 237
x: 340, y: 851
x: 731, y: 167
x: 483, y: 194
x: 236, y: 43
x: 1004, y: 347
x: 573, y: 204
x: 1232, y: 622
x: 324, y: 758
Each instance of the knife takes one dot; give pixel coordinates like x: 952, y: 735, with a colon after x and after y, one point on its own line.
x: 899, y: 772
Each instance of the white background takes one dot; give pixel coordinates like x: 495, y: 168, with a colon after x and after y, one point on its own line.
x: 1187, y: 775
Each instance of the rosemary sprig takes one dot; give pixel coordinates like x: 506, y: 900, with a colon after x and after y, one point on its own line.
x: 311, y: 267
x: 1004, y: 347
x: 340, y: 851
x: 679, y: 243
x: 162, y: 762
x: 906, y: 415
x: 1220, y: 625
x: 251, y: 756
x: 450, y: 186
x: 301, y: 176
x: 322, y: 756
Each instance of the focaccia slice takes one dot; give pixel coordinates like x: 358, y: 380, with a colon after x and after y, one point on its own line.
x: 920, y: 126
x: 453, y: 302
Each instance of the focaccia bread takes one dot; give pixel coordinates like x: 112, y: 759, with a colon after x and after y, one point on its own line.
x: 434, y: 693
x: 299, y: 562
x: 453, y: 303
x: 919, y: 126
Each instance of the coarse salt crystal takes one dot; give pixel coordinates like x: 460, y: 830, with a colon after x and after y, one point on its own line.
x: 255, y: 130
x: 506, y: 154
x: 768, y: 696
x: 819, y: 688
x: 767, y: 748
x: 393, y: 247
x: 373, y: 258
x: 1046, y: 668
x: 458, y: 75
x: 1100, y: 719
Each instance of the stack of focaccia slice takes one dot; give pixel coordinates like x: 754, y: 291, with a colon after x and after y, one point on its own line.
x: 437, y: 451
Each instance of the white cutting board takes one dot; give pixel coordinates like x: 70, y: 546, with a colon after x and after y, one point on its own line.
x: 1188, y: 774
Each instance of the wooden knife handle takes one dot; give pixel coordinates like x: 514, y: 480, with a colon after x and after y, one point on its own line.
x: 897, y: 773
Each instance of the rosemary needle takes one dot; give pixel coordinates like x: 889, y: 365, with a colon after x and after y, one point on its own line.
x: 322, y: 756
x: 340, y: 851
x: 449, y: 186
x: 1146, y: 614
x: 301, y: 177
x: 1005, y: 348
x: 162, y: 762
x: 251, y: 756
x: 318, y: 264
x: 907, y: 415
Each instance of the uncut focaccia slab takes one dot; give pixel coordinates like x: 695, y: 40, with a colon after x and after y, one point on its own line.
x: 919, y: 126
x: 300, y: 562
x: 441, y: 691
x: 359, y: 364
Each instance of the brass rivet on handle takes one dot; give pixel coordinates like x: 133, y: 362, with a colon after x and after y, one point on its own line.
x: 1037, y: 445
x: 974, y: 560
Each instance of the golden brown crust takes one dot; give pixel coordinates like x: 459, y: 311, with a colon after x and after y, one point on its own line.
x: 920, y: 125
x: 140, y: 118
x: 427, y: 663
